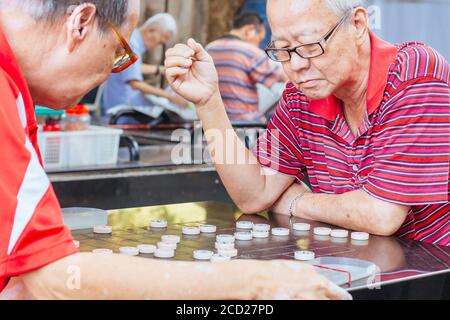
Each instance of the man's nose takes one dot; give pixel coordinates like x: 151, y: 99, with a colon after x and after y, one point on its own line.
x: 298, y: 63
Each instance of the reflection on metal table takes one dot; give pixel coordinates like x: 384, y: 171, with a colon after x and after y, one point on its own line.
x: 405, y: 269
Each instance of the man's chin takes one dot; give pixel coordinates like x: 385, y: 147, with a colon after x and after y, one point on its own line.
x: 59, y: 105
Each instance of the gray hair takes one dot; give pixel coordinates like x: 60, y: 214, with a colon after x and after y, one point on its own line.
x: 51, y: 10
x: 162, y: 22
x: 340, y: 7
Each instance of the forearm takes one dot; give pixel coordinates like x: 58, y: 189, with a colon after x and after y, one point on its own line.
x: 237, y: 166
x: 122, y: 277
x: 148, y: 89
x: 355, y: 210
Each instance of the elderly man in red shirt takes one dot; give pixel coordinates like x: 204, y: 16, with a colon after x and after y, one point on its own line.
x: 52, y: 52
x: 367, y: 121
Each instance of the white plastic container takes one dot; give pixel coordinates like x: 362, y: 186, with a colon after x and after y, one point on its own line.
x: 97, y: 146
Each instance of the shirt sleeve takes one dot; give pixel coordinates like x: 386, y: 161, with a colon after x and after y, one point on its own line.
x: 412, y: 149
x: 278, y: 148
x: 32, y: 232
x: 266, y: 71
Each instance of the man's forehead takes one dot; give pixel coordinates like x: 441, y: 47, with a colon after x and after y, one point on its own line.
x: 299, y: 17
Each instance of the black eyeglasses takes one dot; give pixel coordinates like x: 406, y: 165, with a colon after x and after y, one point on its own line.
x: 306, y: 51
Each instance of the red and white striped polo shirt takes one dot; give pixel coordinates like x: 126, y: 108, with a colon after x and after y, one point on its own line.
x: 401, y: 153
x: 32, y: 232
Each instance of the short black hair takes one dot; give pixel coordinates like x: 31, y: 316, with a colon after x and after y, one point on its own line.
x: 247, y: 19
x: 115, y: 11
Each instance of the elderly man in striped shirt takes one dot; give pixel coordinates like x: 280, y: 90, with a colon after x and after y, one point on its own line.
x: 367, y: 121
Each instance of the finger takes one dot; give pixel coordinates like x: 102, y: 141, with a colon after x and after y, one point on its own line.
x: 173, y: 73
x: 334, y: 292
x: 200, y: 52
x: 177, y: 61
x: 181, y: 50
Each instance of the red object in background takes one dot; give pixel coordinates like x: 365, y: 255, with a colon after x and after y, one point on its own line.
x: 80, y: 109
x: 51, y: 125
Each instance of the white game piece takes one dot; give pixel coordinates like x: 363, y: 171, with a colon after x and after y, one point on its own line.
x: 203, y: 254
x: 220, y: 258
x: 301, y: 226
x: 158, y: 224
x: 208, y: 228
x: 360, y: 236
x: 243, y: 236
x: 228, y: 253
x: 224, y: 246
x: 146, y: 248
x: 191, y: 231
x: 167, y: 246
x: 225, y: 238
x: 304, y: 255
x: 322, y: 231
x: 102, y: 251
x: 103, y: 229
x: 337, y: 233
x: 261, y: 227
x: 76, y: 243
x: 129, y: 251
x: 280, y: 232
x: 164, y: 254
x: 260, y: 234
x: 244, y: 225
x: 171, y: 239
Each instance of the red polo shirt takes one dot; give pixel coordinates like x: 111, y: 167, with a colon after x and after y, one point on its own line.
x: 32, y: 232
x: 401, y: 153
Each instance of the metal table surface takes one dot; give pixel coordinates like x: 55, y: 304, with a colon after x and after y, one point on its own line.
x: 407, y: 269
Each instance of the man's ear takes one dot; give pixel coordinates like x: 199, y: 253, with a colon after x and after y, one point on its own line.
x: 361, y: 24
x: 79, y: 23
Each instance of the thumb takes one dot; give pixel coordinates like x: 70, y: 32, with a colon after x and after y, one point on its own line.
x: 200, y: 52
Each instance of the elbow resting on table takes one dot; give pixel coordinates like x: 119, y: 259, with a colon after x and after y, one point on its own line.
x: 254, y: 206
x: 386, y: 222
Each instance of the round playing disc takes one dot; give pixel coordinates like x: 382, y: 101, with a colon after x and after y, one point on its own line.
x: 301, y: 226
x: 304, y: 255
x: 76, y: 243
x: 164, y: 254
x: 360, y: 236
x: 129, y: 251
x: 171, y: 239
x: 146, y: 248
x: 243, y: 236
x: 167, y: 246
x: 103, y: 229
x: 337, y: 233
x: 208, y: 228
x: 228, y: 253
x: 191, y: 231
x: 225, y: 238
x: 224, y: 245
x: 244, y: 225
x: 280, y: 232
x: 261, y: 227
x: 203, y: 254
x: 158, y: 224
x: 260, y: 234
x: 322, y: 231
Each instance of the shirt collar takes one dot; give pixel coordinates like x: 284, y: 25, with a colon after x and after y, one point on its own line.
x: 383, y: 54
